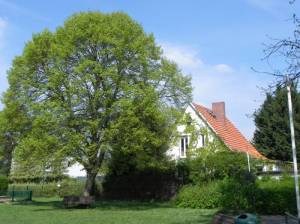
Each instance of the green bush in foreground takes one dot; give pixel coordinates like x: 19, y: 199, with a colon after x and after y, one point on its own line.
x: 199, y: 196
x: 276, y: 196
x: 207, y: 166
x: 262, y: 196
x: 3, y: 183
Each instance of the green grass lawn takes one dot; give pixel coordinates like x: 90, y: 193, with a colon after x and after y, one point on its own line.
x: 50, y: 211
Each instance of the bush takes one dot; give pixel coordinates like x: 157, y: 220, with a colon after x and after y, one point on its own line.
x: 37, y: 179
x: 67, y: 187
x: 239, y: 192
x: 209, y: 166
x: 147, y: 184
x: 71, y: 187
x: 242, y: 193
x: 276, y: 196
x: 199, y: 196
x: 3, y: 183
x: 38, y: 190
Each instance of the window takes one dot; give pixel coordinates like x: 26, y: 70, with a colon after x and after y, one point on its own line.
x: 184, y: 146
x: 202, y: 140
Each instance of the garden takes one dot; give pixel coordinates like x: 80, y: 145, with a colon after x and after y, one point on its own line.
x: 98, y: 91
x: 224, y: 186
x: 50, y: 211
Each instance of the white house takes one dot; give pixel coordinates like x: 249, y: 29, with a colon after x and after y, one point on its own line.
x: 217, y: 125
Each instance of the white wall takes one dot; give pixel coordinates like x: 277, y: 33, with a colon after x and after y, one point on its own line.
x: 174, y: 151
x: 76, y: 170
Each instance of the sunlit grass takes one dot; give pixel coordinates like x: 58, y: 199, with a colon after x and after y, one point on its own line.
x: 50, y: 211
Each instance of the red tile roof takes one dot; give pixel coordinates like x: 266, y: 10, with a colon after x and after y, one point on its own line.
x: 230, y: 135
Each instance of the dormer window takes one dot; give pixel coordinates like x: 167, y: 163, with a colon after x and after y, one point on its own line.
x: 184, y: 143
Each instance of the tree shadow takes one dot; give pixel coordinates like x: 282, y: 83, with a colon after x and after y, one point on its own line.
x: 46, y: 205
x: 204, y: 219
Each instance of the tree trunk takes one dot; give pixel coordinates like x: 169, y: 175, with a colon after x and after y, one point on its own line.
x: 89, y: 188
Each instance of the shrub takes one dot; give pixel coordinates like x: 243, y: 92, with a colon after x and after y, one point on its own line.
x: 38, y: 190
x: 71, y: 187
x: 3, y: 183
x: 242, y: 192
x: 276, y: 196
x: 67, y: 187
x: 215, y: 166
x: 239, y: 193
x: 147, y: 184
x: 36, y: 179
x: 199, y: 196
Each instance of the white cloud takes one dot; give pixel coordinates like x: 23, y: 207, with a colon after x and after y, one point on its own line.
x: 238, y: 88
x: 223, y: 68
x: 185, y: 57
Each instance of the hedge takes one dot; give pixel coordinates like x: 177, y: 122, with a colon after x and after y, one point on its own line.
x: 199, y: 196
x: 67, y: 187
x: 262, y: 196
x: 3, y: 183
x: 277, y: 196
x: 147, y: 184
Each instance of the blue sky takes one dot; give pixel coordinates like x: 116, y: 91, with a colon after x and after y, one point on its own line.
x: 216, y: 42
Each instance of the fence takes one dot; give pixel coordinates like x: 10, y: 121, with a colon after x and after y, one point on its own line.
x: 290, y: 219
x: 18, y: 195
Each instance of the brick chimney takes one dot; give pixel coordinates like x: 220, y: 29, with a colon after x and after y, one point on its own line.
x: 218, y: 109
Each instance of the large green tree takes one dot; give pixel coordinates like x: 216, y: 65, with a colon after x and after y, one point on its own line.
x: 97, y: 84
x: 272, y: 135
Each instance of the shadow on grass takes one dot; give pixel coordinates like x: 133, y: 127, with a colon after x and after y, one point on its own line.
x: 57, y: 204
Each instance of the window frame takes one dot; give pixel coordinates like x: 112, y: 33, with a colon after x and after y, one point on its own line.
x: 184, y: 145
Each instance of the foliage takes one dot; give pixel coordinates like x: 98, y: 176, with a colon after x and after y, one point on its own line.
x: 3, y: 183
x: 214, y: 161
x: 276, y: 196
x: 199, y: 196
x: 272, y: 135
x: 74, y: 187
x: 236, y: 192
x: 242, y: 193
x: 51, y: 189
x: 209, y: 166
x: 14, y: 124
x: 97, y: 81
x: 38, y: 190
x: 147, y: 184
x: 31, y: 177
x: 239, y: 192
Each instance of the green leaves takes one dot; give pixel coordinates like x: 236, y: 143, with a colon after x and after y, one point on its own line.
x: 272, y: 134
x: 97, y: 84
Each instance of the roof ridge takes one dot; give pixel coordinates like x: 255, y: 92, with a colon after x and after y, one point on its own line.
x: 228, y: 132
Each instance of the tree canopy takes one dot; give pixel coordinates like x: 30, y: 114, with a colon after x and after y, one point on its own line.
x: 272, y: 135
x: 96, y: 85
